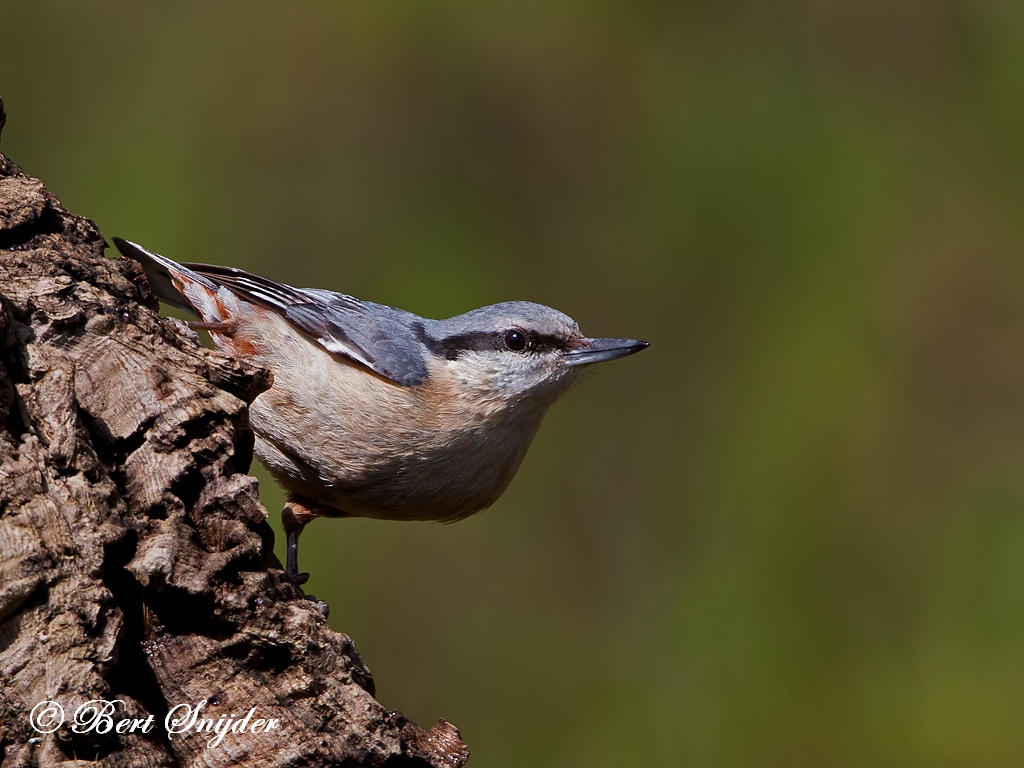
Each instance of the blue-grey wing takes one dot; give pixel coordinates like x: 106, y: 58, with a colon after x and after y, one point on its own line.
x: 373, y: 335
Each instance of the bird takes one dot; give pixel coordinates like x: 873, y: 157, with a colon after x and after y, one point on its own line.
x: 377, y: 412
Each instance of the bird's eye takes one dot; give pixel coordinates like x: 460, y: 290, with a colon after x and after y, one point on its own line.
x: 516, y: 340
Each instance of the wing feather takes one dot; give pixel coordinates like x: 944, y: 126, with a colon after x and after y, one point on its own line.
x: 340, y: 324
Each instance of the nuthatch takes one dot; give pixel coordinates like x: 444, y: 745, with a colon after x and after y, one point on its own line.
x: 377, y: 412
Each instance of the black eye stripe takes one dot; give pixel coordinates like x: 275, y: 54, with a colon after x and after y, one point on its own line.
x: 546, y: 343
x: 451, y: 347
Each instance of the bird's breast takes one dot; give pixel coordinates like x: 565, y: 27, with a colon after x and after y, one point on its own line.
x: 351, y: 440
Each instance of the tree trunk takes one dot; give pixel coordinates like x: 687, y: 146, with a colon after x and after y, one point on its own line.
x: 136, y: 562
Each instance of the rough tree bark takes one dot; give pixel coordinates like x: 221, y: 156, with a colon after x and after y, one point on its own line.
x: 136, y: 561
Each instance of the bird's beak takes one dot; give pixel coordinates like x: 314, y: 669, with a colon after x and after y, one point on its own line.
x: 599, y: 350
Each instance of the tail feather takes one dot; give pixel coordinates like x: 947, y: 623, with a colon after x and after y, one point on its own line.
x: 175, y: 284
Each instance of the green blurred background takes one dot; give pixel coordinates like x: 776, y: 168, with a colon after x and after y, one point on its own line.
x: 789, y: 534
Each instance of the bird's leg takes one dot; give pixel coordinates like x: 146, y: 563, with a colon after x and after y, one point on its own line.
x: 295, y: 515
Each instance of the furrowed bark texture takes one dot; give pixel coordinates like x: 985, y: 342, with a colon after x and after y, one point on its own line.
x: 136, y: 561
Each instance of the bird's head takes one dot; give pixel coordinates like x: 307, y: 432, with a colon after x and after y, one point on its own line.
x: 519, y: 351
